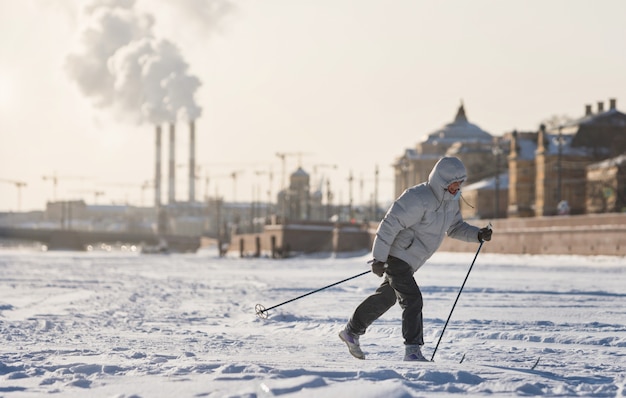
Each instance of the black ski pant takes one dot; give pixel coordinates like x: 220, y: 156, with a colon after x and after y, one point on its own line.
x: 399, y: 285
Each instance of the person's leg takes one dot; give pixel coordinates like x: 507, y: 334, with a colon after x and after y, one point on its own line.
x: 400, y: 277
x: 372, y: 308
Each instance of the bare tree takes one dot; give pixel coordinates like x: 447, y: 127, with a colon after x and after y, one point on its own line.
x: 554, y: 121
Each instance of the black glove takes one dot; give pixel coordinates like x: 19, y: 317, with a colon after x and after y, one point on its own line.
x: 484, y: 234
x: 378, y: 267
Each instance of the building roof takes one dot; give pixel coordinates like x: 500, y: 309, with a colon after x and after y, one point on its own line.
x: 595, y: 118
x: 526, y: 147
x: 616, y: 161
x: 609, y: 117
x: 460, y: 130
x: 413, y: 154
x: 299, y: 173
x: 489, y: 184
x: 566, y: 147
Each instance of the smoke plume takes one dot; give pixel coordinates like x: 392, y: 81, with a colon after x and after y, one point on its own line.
x: 121, y: 65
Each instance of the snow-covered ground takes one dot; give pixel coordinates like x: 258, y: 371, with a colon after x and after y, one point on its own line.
x: 130, y: 325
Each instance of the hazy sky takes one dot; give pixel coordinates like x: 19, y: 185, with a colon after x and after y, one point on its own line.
x: 351, y: 83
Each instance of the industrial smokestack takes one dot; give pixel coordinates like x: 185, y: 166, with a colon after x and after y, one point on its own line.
x: 192, y: 161
x: 172, y: 165
x: 157, y: 170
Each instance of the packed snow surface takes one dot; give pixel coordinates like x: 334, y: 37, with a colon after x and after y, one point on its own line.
x: 123, y: 324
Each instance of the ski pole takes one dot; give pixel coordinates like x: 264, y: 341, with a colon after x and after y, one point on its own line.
x: 262, y: 312
x: 457, y: 299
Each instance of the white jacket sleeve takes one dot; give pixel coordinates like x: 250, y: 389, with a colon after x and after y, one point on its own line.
x: 404, y: 213
x: 463, y: 231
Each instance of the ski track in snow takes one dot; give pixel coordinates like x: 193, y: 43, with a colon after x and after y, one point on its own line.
x: 131, y: 325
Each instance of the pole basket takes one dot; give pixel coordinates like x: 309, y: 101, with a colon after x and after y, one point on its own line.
x: 261, y: 312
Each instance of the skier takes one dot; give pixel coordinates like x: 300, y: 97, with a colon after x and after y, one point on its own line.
x: 409, y: 234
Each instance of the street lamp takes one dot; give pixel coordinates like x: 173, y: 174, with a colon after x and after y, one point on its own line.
x: 375, y: 210
x: 559, y: 142
x: 404, y: 167
x: 350, y: 211
x: 497, y: 151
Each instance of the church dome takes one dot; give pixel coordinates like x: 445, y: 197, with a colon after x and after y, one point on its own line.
x: 299, y: 179
x: 460, y: 130
x: 300, y: 173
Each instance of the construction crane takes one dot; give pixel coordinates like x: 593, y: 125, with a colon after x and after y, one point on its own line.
x: 96, y: 194
x: 142, y: 186
x: 350, y: 199
x: 146, y: 185
x: 374, y: 195
x: 55, y: 182
x: 19, y: 185
x: 259, y: 173
x: 283, y: 157
x: 234, y: 176
x: 316, y: 168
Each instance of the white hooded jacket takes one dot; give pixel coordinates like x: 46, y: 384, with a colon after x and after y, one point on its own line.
x: 417, y: 222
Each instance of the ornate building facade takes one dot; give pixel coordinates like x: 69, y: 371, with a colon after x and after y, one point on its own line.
x: 551, y: 168
x: 575, y: 168
x: 521, y: 192
x: 606, y: 186
x: 479, y: 151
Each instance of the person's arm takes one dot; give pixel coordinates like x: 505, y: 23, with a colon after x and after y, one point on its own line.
x: 405, y: 211
x: 461, y: 230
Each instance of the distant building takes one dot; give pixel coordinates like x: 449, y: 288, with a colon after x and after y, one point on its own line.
x: 294, y: 202
x: 478, y: 150
x: 606, y: 186
x: 304, y: 201
x: 486, y: 199
x: 521, y: 192
x: 573, y: 168
x: 553, y: 166
x: 562, y: 156
x: 65, y: 213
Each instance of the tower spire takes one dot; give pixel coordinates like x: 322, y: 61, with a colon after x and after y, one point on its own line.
x: 460, y: 114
